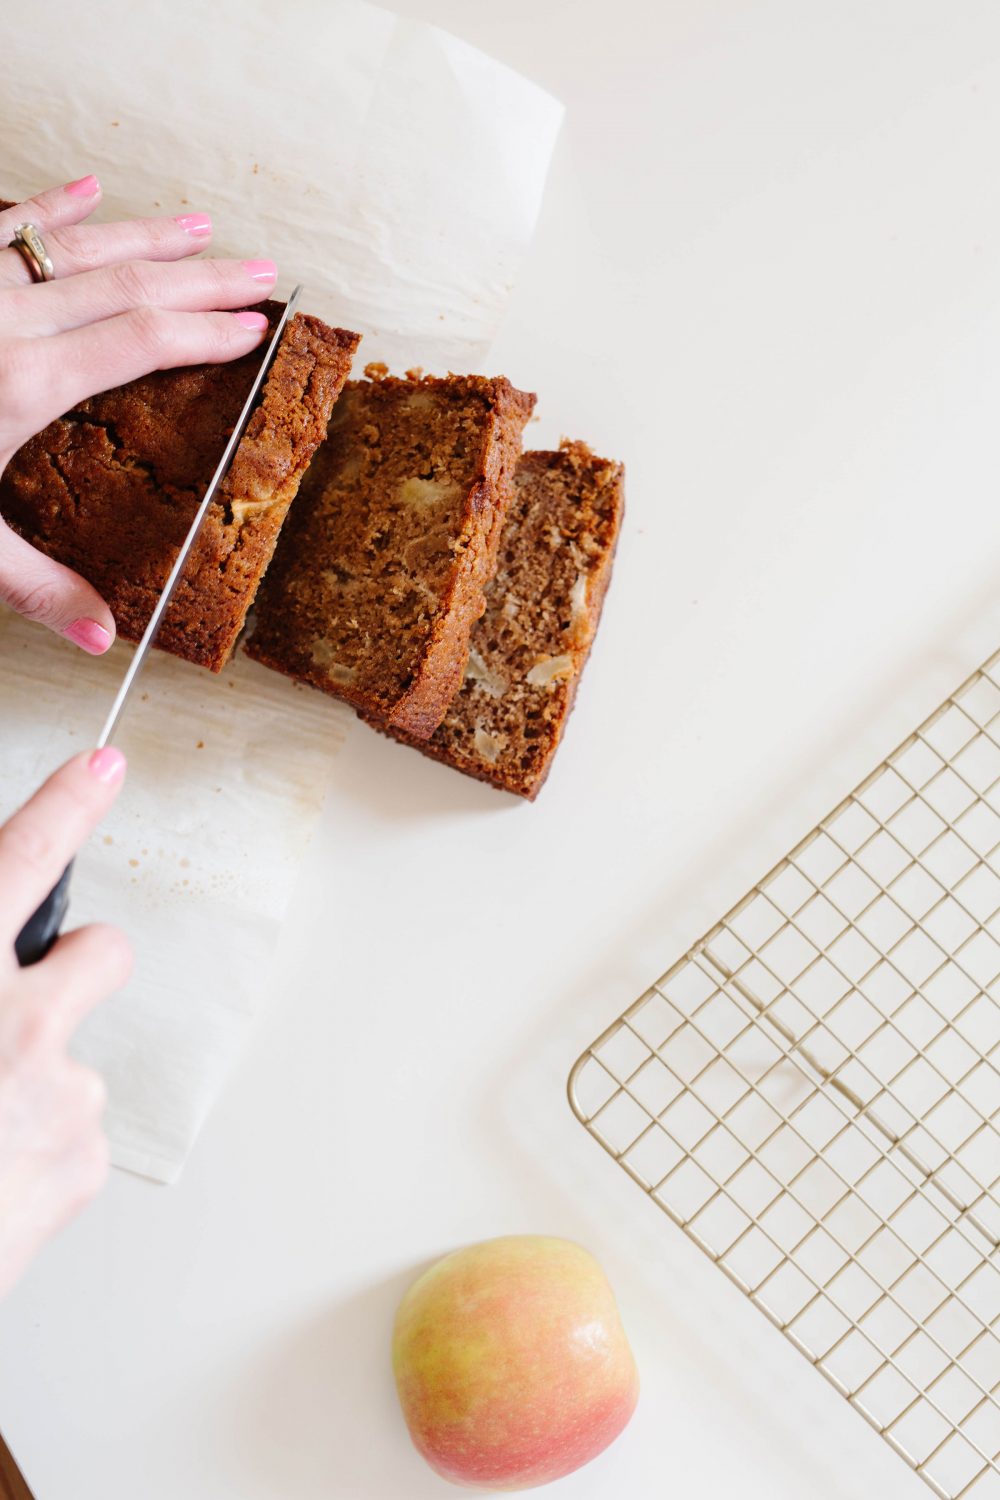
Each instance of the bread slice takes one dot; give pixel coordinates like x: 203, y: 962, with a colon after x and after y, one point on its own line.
x: 542, y: 611
x: 380, y: 573
x: 110, y: 489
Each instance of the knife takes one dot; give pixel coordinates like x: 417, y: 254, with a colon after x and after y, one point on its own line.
x: 41, y: 930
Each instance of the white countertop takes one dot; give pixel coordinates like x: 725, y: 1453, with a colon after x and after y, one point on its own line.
x: 765, y: 276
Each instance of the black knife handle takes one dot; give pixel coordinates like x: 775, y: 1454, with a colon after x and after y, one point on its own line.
x: 41, y: 930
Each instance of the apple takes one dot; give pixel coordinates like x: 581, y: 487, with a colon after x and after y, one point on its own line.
x: 511, y: 1362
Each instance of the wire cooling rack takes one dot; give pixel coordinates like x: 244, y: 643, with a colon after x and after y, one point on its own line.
x: 813, y: 1094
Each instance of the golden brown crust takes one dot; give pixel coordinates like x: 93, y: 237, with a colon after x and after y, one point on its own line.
x: 439, y: 678
x: 110, y: 488
x: 543, y: 608
x: 381, y: 572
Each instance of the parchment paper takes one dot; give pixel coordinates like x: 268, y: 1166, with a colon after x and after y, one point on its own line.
x: 394, y: 169
x: 397, y: 172
x: 196, y: 862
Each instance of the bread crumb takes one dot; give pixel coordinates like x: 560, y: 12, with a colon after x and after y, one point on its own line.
x: 200, y: 745
x: 417, y: 373
x: 134, y: 863
x: 108, y: 839
x: 376, y: 370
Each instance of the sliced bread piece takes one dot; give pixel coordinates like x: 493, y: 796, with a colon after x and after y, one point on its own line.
x: 110, y: 489
x: 542, y: 610
x: 380, y: 573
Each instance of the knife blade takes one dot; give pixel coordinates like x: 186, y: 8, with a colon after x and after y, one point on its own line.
x: 42, y: 928
x: 222, y: 469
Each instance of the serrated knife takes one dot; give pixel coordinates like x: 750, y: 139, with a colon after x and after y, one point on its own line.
x: 41, y: 930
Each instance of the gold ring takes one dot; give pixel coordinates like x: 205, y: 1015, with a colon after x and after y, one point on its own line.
x: 31, y: 247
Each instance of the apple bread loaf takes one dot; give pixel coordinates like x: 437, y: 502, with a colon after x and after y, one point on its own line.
x: 542, y: 610
x: 380, y: 573
x: 111, y: 488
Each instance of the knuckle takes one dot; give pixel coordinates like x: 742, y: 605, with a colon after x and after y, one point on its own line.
x: 159, y: 234
x: 35, y: 206
x: 82, y: 248
x: 17, y: 307
x: 26, y: 845
x: 221, y: 277
x: 149, y: 328
x: 36, y: 600
x: 39, y: 1030
x: 216, y: 333
x: 132, y: 282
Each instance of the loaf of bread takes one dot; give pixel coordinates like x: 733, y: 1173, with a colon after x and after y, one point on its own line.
x: 110, y: 489
x: 542, y: 611
x: 380, y: 573
x: 445, y: 584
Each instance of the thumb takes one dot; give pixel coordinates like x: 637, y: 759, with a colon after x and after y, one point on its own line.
x: 43, y: 590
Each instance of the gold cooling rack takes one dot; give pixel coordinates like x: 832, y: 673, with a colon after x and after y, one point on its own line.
x: 813, y: 1094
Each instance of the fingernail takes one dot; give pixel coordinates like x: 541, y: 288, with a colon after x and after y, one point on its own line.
x: 108, y: 765
x: 90, y: 636
x: 83, y: 187
x: 253, y: 320
x: 260, y: 270
x: 197, y: 224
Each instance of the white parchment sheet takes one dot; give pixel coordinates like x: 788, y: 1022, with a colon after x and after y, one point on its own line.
x: 396, y: 171
x: 392, y: 168
x: 197, y: 860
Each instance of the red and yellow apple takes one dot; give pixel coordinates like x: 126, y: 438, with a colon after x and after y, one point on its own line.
x: 511, y: 1362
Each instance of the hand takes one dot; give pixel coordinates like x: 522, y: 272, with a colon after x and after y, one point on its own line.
x: 126, y: 300
x: 53, y: 1153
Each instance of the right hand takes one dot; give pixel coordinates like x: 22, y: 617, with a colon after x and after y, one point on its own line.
x: 53, y: 1151
x: 126, y: 299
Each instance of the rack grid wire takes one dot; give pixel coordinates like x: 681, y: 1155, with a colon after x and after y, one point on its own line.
x: 813, y: 1094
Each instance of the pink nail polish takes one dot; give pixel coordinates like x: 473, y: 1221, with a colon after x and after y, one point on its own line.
x: 108, y: 765
x: 257, y: 321
x: 260, y: 270
x: 90, y: 636
x: 83, y: 187
x: 198, y: 225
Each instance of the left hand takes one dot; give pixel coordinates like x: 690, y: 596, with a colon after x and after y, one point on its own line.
x: 127, y: 299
